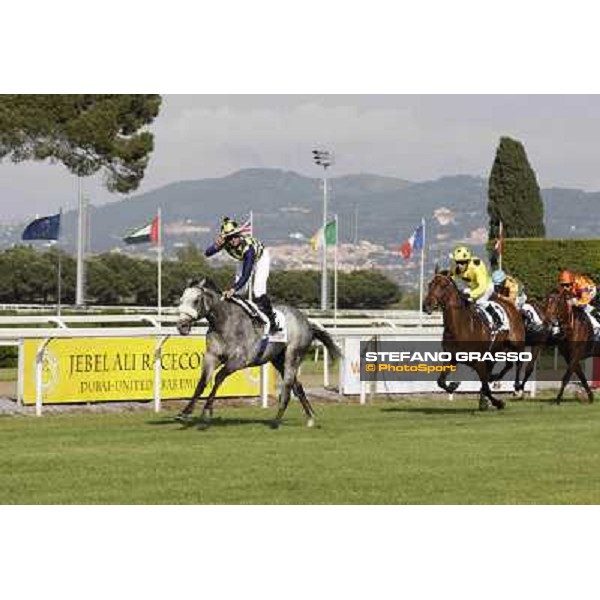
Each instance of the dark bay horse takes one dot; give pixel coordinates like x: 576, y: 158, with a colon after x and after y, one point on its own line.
x: 536, y: 339
x: 233, y: 342
x: 464, y: 330
x: 576, y: 341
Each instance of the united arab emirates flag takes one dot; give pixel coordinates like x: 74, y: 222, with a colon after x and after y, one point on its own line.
x: 147, y: 233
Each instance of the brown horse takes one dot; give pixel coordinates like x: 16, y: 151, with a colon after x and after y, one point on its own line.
x: 537, y: 340
x: 576, y: 341
x: 464, y: 330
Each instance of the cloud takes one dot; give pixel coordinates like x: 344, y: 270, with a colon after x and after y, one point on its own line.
x: 410, y: 136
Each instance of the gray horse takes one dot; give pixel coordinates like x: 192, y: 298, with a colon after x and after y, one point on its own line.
x: 233, y: 342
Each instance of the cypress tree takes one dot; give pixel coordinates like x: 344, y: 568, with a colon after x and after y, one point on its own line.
x: 514, y: 194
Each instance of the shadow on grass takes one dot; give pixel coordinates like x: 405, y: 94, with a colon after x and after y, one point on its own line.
x: 197, y: 423
x: 430, y: 410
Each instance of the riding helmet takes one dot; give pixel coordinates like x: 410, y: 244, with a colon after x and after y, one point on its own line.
x: 498, y: 277
x: 565, y: 276
x: 228, y: 227
x: 461, y: 253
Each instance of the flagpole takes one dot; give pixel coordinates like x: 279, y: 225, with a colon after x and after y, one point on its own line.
x: 159, y: 270
x: 59, y: 282
x: 324, y: 257
x: 80, y: 293
x: 422, y: 275
x: 251, y: 282
x: 335, y: 274
x: 501, y: 247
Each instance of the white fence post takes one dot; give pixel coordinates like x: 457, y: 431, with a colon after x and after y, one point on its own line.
x: 20, y: 373
x: 158, y: 372
x: 325, y: 368
x: 39, y: 372
x: 264, y: 385
x: 363, y: 392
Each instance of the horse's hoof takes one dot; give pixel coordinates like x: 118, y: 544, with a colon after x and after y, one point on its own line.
x: 518, y: 394
x: 182, y: 417
x: 275, y: 424
x: 484, y: 404
x: 453, y: 386
x: 310, y: 423
x: 500, y: 404
x: 203, y: 424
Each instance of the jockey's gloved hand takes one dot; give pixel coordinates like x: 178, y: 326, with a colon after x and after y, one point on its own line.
x: 228, y: 293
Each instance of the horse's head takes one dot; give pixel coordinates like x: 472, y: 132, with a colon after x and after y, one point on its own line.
x: 557, y: 309
x: 440, y: 292
x: 196, y: 302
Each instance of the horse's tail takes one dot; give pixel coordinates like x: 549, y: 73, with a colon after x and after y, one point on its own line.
x: 320, y: 334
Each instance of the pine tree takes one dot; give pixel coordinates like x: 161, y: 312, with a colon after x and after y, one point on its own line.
x: 514, y: 194
x: 85, y: 132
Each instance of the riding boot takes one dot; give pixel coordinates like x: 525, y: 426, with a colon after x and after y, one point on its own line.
x: 264, y: 304
x: 495, y: 317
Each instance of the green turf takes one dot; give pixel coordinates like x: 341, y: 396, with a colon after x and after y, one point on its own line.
x: 416, y: 452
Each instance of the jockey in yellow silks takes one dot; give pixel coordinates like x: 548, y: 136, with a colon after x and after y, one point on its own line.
x: 472, y: 271
x: 509, y: 287
x: 512, y: 289
x: 583, y: 291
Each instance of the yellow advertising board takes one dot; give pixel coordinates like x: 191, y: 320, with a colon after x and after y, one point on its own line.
x: 105, y: 369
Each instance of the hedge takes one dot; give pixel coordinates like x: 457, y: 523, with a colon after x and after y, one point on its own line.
x: 536, y: 261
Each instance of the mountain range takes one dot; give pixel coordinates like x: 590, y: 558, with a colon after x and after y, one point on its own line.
x: 288, y: 208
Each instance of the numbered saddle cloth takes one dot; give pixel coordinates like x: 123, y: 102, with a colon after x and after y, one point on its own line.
x: 255, y: 313
x: 593, y: 319
x: 281, y: 335
x: 489, y: 320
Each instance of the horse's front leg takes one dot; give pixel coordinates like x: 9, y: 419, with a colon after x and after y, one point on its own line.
x: 484, y: 370
x: 211, y: 362
x: 520, y: 384
x: 565, y: 380
x: 441, y: 381
x: 507, y: 367
x: 228, y: 369
x: 579, y: 372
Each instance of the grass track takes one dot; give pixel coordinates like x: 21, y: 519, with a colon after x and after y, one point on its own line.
x: 415, y: 452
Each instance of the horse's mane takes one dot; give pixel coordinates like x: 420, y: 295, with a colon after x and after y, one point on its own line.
x: 446, y: 273
x: 209, y: 284
x: 206, y: 283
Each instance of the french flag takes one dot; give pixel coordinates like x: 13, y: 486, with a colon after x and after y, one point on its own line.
x: 413, y: 244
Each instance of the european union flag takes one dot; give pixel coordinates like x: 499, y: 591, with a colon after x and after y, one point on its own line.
x: 45, y: 228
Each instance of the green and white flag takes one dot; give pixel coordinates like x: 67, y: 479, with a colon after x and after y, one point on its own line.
x: 329, y: 237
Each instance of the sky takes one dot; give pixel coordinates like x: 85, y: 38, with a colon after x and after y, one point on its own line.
x: 414, y: 137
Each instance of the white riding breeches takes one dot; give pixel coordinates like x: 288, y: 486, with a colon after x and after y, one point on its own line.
x: 483, y: 300
x: 259, y: 276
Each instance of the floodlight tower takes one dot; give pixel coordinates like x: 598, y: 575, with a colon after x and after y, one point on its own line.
x: 324, y: 158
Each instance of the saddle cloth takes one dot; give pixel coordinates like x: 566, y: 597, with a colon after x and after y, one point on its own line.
x: 255, y: 313
x: 280, y: 336
x: 595, y: 325
x: 533, y: 318
x: 489, y: 321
